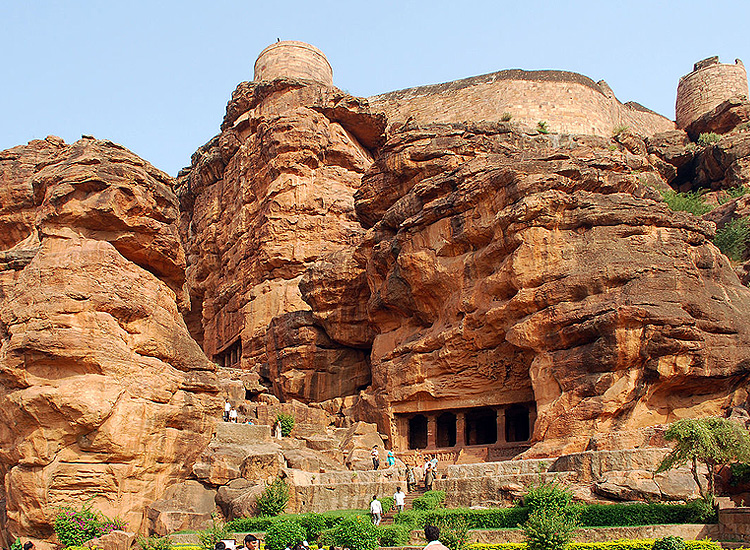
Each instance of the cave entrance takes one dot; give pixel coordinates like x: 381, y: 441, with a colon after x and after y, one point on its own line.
x: 230, y: 356
x: 517, y: 424
x: 481, y: 427
x: 446, y: 430
x: 418, y: 432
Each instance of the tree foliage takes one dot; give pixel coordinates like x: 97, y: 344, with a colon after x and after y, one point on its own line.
x: 710, y: 441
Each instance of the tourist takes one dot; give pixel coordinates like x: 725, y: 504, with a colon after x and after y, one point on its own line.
x: 376, y: 509
x: 411, y: 479
x: 428, y: 474
x: 375, y: 457
x: 227, y: 408
x: 398, y: 499
x: 251, y: 542
x: 432, y: 534
x: 233, y: 415
x: 390, y: 459
x: 220, y: 545
x: 433, y: 465
x: 277, y: 429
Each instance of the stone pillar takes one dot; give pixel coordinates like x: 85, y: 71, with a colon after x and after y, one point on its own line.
x: 532, y: 420
x: 460, y: 429
x: 431, y: 431
x: 501, y: 425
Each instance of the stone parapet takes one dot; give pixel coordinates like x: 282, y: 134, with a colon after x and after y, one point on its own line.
x: 293, y: 59
x: 241, y: 434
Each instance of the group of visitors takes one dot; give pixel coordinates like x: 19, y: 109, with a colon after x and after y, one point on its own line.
x: 230, y: 413
x: 376, y: 507
x: 390, y: 458
x: 251, y: 542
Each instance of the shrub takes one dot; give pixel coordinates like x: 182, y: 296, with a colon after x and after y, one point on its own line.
x: 737, y: 191
x: 686, y: 202
x: 209, y: 537
x: 744, y: 127
x: 387, y: 503
x: 356, y: 533
x: 16, y: 545
x: 701, y: 511
x: 429, y: 501
x: 506, y: 117
x: 287, y: 423
x: 393, y: 535
x: 732, y: 239
x: 493, y: 518
x: 247, y: 525
x: 620, y: 515
x: 669, y: 543
x: 284, y: 534
x: 453, y: 531
x: 619, y: 130
x: 624, y: 544
x: 541, y: 127
x: 550, y: 496
x: 273, y: 500
x: 155, y: 543
x: 548, y: 529
x: 76, y: 526
x: 740, y: 473
x: 708, y: 138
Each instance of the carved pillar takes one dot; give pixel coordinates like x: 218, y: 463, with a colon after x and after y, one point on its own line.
x: 460, y: 429
x: 501, y: 425
x: 431, y: 431
x: 532, y: 421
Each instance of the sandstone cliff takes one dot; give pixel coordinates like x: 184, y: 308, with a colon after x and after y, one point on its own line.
x: 260, y: 203
x: 103, y: 392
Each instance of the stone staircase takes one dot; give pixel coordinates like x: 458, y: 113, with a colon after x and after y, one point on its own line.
x: 388, y: 519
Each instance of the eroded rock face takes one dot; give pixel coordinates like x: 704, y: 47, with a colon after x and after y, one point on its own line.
x: 103, y: 393
x: 261, y: 202
x: 505, y: 267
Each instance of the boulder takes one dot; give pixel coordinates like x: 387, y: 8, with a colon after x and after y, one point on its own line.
x: 187, y: 505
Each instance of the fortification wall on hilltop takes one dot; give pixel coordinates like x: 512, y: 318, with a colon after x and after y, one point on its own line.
x: 568, y: 102
x: 710, y: 84
x: 293, y: 59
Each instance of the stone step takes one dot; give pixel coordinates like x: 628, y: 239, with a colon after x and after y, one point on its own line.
x: 229, y: 433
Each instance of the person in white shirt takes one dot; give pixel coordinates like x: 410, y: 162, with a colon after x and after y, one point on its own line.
x: 376, y: 509
x: 233, y: 415
x: 227, y: 408
x: 398, y: 499
x: 432, y: 534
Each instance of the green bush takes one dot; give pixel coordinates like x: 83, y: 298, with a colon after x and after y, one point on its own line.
x: 284, y: 533
x: 506, y: 117
x: 708, y: 138
x: 616, y: 515
x: 548, y: 529
x: 313, y: 524
x: 541, y: 127
x: 76, y: 526
x: 549, y: 496
x: 287, y: 423
x: 209, y: 537
x: 619, y: 130
x: 669, y: 543
x: 492, y: 518
x: 387, y: 504
x: 732, y: 239
x: 273, y: 500
x: 155, y: 542
x: 355, y: 533
x: 691, y: 201
x: 393, y: 535
x: 16, y: 545
x: 453, y: 532
x: 429, y: 501
x: 701, y: 511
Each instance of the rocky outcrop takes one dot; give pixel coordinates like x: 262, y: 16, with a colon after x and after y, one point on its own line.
x: 103, y: 393
x: 508, y: 267
x: 260, y: 203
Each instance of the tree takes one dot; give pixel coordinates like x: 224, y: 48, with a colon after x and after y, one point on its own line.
x: 711, y: 441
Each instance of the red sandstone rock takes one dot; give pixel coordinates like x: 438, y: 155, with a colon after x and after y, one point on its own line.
x: 103, y: 394
x: 722, y: 119
x: 502, y: 269
x: 264, y: 200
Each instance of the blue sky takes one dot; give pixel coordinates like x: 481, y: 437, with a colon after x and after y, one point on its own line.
x: 155, y: 75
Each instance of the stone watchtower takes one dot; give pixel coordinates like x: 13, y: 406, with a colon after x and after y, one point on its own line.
x: 292, y: 59
x: 710, y: 84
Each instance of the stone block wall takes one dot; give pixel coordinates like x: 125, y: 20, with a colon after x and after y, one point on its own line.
x: 567, y: 102
x: 710, y: 84
x: 293, y: 59
x: 735, y: 523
